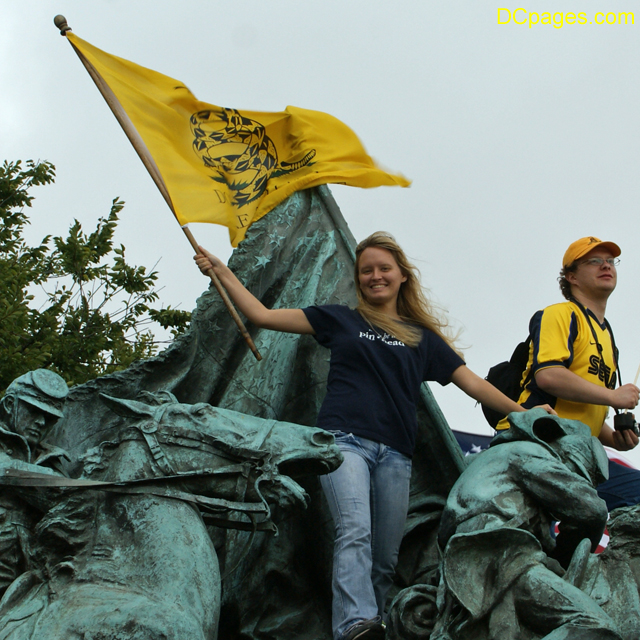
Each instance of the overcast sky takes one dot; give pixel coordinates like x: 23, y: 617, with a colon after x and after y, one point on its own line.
x: 518, y: 140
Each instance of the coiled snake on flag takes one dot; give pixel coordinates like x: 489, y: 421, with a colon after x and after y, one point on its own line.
x: 240, y: 152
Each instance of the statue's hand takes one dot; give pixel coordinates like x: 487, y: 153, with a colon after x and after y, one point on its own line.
x: 553, y: 565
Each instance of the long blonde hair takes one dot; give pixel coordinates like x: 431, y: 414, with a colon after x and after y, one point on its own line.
x: 413, y: 306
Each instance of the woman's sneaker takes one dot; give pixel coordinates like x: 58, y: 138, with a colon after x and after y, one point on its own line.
x: 373, y: 629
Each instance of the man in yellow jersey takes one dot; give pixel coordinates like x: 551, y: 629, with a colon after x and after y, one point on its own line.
x: 573, y: 364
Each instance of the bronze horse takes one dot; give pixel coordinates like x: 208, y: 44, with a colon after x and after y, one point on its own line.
x: 132, y: 558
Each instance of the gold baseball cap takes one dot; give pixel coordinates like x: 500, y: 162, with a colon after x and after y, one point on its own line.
x: 581, y: 247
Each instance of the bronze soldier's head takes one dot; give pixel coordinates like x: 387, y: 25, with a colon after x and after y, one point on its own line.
x: 33, y: 403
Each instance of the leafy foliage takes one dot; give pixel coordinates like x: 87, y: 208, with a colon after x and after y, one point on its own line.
x: 96, y: 315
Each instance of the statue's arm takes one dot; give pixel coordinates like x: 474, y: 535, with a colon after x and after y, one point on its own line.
x: 567, y: 497
x: 16, y: 480
x: 8, y: 464
x: 15, y: 538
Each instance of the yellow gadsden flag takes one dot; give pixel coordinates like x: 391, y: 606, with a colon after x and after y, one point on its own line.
x: 226, y: 166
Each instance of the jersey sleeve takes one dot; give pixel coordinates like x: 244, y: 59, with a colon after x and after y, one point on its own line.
x: 553, y: 332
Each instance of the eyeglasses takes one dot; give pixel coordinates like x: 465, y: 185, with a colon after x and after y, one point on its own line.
x: 598, y: 262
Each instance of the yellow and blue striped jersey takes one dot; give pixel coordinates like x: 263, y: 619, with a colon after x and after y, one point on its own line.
x: 561, y: 337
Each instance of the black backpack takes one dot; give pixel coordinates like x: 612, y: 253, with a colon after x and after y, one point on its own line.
x: 507, y: 377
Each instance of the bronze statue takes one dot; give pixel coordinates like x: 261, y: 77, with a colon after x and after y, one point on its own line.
x: 146, y: 520
x: 301, y: 253
x: 612, y: 579
x: 32, y: 404
x: 502, y: 574
x: 123, y: 550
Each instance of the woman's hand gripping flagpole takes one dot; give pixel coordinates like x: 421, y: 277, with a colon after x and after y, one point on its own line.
x: 225, y: 297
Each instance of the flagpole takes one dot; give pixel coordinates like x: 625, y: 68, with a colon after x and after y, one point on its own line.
x: 141, y: 149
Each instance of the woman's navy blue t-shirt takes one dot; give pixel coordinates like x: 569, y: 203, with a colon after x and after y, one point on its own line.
x: 374, y: 379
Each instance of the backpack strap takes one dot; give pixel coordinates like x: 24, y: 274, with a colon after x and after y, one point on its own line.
x: 616, y: 352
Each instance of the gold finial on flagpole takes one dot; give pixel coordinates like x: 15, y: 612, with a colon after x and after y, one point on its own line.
x: 61, y: 23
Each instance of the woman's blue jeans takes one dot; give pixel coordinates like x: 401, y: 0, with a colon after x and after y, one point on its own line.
x: 368, y: 497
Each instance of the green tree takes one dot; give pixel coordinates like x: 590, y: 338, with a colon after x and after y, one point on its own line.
x: 96, y: 316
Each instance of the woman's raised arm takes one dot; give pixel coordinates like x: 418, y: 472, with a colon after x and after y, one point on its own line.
x: 289, y: 320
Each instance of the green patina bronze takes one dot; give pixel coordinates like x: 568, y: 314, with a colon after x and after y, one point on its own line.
x: 166, y: 544
x: 124, y: 551
x: 503, y: 575
x: 149, y: 510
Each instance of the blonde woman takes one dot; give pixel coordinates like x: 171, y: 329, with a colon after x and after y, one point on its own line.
x: 381, y: 352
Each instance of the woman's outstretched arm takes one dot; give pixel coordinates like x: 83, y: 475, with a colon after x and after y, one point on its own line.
x: 289, y: 320
x: 484, y: 392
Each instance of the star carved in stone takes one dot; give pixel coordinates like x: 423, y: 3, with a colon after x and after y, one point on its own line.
x: 275, y: 238
x: 304, y: 242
